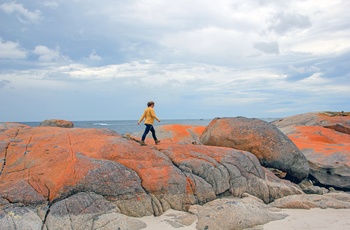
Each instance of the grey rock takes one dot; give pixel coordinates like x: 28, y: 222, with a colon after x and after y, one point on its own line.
x: 19, y: 217
x: 307, y: 201
x: 272, y: 147
x: 234, y: 213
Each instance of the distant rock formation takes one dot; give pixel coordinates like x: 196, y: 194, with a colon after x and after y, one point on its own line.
x: 273, y: 148
x: 325, y: 141
x: 57, y: 123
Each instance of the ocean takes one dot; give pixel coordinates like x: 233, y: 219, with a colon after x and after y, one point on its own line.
x: 130, y: 126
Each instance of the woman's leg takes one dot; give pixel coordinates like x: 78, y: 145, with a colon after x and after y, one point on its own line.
x: 148, y: 127
x: 153, y: 131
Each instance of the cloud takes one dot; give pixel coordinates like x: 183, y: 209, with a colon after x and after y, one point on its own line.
x: 48, y: 55
x: 94, y: 57
x: 51, y: 4
x: 267, y: 47
x: 24, y: 15
x: 221, y: 58
x: 283, y: 23
x: 11, y: 50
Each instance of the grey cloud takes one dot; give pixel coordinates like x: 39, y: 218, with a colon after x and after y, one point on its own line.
x: 287, y: 22
x: 3, y: 83
x: 267, y: 47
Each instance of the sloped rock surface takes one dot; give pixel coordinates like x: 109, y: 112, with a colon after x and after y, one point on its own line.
x: 174, y: 133
x: 325, y: 143
x: 273, y: 148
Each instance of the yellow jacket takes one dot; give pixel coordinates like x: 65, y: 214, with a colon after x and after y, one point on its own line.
x: 149, y: 115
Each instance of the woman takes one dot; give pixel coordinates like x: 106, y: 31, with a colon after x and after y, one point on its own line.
x: 149, y: 115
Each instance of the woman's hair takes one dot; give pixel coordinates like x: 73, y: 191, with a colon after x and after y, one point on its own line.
x: 150, y: 103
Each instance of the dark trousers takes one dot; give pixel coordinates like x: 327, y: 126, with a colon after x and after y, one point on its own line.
x: 147, y: 129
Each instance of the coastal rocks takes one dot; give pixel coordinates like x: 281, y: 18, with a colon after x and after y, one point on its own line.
x: 213, y: 171
x: 234, y: 213
x: 325, y: 142
x: 19, y: 217
x: 57, y: 123
x: 288, y: 124
x: 273, y: 148
x: 51, y: 165
x: 88, y: 211
x: 329, y: 200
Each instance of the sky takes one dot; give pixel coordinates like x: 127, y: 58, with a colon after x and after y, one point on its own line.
x: 196, y: 59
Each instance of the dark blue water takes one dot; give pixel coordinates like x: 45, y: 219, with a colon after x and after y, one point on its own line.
x: 130, y: 126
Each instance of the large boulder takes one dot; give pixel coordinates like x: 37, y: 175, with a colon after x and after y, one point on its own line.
x: 272, y: 147
x: 325, y: 141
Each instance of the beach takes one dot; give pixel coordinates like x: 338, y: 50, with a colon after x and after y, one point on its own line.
x: 312, y: 219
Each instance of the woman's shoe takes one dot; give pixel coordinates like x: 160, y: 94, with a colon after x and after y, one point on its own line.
x: 157, y: 142
x: 142, y: 143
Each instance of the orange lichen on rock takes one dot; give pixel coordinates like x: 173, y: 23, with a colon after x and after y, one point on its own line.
x: 182, y: 132
x: 322, y: 140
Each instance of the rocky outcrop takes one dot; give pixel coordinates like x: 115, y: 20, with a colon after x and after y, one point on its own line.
x: 273, y: 148
x: 233, y: 213
x: 325, y: 142
x: 57, y: 123
x: 323, y: 119
x: 89, y: 177
x: 329, y: 200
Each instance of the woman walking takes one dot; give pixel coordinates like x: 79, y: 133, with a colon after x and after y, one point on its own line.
x: 149, y: 116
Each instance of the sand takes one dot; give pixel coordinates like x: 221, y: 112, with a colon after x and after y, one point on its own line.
x: 337, y: 219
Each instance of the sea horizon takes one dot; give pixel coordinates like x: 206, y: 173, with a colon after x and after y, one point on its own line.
x: 131, y: 126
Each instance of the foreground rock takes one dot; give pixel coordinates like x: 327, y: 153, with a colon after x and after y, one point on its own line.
x: 325, y: 142
x: 234, y: 214
x: 85, y: 178
x: 273, y: 148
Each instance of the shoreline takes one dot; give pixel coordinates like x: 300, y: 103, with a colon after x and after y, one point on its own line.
x: 307, y: 219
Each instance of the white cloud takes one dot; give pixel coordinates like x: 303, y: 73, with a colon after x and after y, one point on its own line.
x: 48, y: 55
x: 223, y: 57
x: 51, y: 4
x: 23, y: 14
x: 11, y: 50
